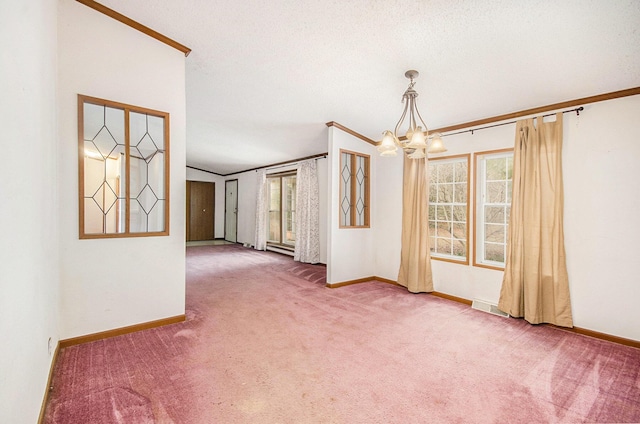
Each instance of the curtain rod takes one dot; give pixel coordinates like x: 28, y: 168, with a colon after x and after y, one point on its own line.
x: 293, y: 163
x: 576, y: 110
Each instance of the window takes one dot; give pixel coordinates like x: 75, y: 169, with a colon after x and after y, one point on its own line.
x: 123, y: 170
x: 449, y: 208
x: 354, y: 190
x: 282, y: 209
x: 493, y: 206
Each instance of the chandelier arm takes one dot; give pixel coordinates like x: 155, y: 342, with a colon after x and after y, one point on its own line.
x: 404, y: 113
x: 412, y: 116
x: 426, y: 130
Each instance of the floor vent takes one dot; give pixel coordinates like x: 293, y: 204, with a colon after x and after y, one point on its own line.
x: 481, y: 305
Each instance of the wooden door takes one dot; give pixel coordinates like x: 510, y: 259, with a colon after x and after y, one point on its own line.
x: 200, y: 210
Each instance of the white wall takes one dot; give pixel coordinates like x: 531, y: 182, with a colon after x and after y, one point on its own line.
x: 29, y: 280
x: 218, y: 219
x: 602, y: 200
x: 351, y: 251
x: 111, y: 283
x: 601, y: 160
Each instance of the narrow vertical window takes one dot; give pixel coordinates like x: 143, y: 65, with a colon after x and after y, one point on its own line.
x: 449, y: 208
x: 281, y: 198
x: 493, y: 207
x: 123, y: 170
x: 354, y: 190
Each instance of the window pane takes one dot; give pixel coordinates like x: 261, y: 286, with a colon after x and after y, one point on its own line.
x: 432, y: 228
x: 496, y: 169
x: 461, y: 171
x: 460, y: 193
x: 494, y: 233
x: 274, y: 210
x: 496, y: 192
x: 443, y: 246
x: 443, y: 213
x: 445, y: 193
x: 289, y: 209
x: 432, y: 212
x: 459, y: 248
x: 494, y: 252
x: 459, y: 214
x: 460, y: 231
x: 445, y: 173
x: 361, y: 177
x: 345, y: 184
x: 432, y: 193
x: 444, y: 229
x: 494, y: 214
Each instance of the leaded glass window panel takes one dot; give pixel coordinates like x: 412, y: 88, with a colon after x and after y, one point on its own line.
x: 124, y: 169
x: 354, y: 190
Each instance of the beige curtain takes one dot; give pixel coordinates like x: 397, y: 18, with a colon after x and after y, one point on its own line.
x: 415, y: 257
x: 535, y: 284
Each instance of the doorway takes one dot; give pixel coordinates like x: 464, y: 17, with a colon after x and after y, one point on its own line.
x: 200, y: 210
x: 231, y: 211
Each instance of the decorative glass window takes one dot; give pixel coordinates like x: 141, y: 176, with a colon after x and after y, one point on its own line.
x: 123, y: 170
x: 281, y: 198
x: 493, y: 206
x: 449, y: 208
x: 354, y: 190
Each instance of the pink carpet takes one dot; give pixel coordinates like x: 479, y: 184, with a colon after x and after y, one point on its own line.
x: 266, y: 342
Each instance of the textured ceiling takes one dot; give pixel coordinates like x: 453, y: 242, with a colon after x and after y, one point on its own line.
x: 265, y: 76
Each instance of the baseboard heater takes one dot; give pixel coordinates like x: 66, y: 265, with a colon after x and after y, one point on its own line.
x: 485, y: 306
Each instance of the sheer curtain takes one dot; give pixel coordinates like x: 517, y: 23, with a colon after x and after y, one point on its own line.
x: 415, y: 256
x: 260, y: 241
x: 307, y: 215
x: 535, y: 284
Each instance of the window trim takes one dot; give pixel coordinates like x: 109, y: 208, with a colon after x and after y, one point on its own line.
x: 367, y: 193
x: 82, y: 99
x: 468, y: 249
x: 477, y: 203
x: 280, y: 175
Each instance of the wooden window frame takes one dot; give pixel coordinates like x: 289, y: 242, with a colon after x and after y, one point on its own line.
x: 82, y: 99
x: 367, y: 194
x: 451, y: 258
x: 477, y: 203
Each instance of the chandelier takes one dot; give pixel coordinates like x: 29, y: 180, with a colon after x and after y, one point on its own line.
x: 416, y: 141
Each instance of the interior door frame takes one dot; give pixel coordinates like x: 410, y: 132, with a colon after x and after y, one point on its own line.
x: 226, y: 184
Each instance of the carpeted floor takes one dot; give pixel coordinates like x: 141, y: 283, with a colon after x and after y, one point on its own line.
x: 266, y: 342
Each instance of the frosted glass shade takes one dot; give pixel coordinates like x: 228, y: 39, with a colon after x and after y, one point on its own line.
x: 418, y: 140
x: 417, y: 154
x: 388, y: 143
x: 388, y: 153
x: 437, y: 146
